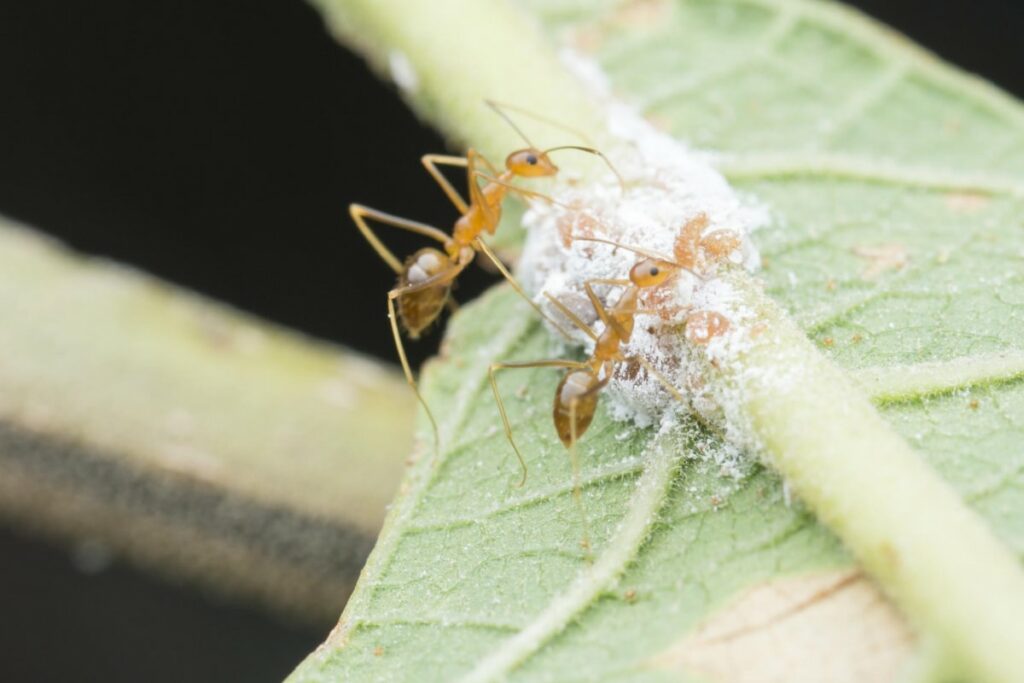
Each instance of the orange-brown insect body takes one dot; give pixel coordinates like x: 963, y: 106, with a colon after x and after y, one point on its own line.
x: 577, y: 396
x: 418, y: 309
x: 575, y: 403
x: 484, y: 216
x: 578, y: 392
x: 425, y: 279
x: 582, y: 387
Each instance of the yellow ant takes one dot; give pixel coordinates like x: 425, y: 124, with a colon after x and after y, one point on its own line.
x: 577, y: 395
x: 425, y: 278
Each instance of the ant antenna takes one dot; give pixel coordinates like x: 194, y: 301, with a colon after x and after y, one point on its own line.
x: 499, y: 107
x: 643, y: 252
x: 596, y: 152
x: 636, y: 250
x: 500, y: 111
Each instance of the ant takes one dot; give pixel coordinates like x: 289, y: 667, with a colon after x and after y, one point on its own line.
x: 577, y: 394
x: 425, y: 278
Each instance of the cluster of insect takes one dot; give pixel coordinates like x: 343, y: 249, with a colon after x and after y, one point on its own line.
x: 425, y: 280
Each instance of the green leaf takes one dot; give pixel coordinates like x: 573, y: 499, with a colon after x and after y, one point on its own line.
x: 896, y: 188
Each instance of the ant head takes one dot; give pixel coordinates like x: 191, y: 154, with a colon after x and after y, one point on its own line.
x: 651, y: 272
x: 530, y: 163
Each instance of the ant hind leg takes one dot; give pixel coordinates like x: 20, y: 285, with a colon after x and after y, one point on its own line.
x: 492, y: 374
x: 400, y: 348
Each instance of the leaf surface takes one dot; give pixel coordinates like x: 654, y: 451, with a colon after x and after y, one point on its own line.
x: 895, y: 185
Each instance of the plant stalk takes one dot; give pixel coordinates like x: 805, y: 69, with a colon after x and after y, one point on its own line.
x: 189, y: 438
x: 908, y: 528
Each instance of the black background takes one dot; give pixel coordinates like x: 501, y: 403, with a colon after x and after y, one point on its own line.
x: 217, y: 144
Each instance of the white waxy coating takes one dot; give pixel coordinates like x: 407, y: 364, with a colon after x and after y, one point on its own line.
x: 667, y: 185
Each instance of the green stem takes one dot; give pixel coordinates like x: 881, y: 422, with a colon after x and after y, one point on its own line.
x: 462, y: 52
x: 909, y: 529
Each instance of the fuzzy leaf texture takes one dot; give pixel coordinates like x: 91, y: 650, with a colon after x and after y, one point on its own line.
x: 896, y: 242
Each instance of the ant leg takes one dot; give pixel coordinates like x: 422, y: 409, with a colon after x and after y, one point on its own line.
x: 567, y: 312
x: 516, y: 286
x: 491, y: 372
x: 491, y: 168
x: 577, y: 489
x: 602, y: 312
x: 651, y: 370
x: 360, y: 213
x: 394, y: 294
x: 476, y: 195
x: 431, y: 161
x: 531, y: 194
x: 610, y: 281
x: 436, y: 280
x: 407, y: 370
x: 671, y: 388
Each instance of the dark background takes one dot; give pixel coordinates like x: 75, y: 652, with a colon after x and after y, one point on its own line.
x: 217, y: 144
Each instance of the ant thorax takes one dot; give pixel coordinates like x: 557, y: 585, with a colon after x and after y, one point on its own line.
x: 670, y: 192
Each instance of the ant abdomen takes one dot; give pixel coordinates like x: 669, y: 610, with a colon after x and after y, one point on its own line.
x: 418, y: 309
x: 575, y: 404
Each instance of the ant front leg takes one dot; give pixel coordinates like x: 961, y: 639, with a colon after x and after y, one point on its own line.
x: 521, y: 191
x: 431, y: 161
x: 576, y: 320
x: 476, y: 195
x: 482, y: 246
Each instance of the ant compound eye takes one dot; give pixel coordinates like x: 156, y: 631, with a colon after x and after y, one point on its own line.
x: 531, y: 159
x: 654, y: 271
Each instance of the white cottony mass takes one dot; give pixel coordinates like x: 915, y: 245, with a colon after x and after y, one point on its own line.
x: 666, y: 186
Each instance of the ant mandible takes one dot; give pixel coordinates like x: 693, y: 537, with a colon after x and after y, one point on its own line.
x: 425, y: 279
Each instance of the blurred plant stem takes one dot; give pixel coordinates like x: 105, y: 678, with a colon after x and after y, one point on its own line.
x: 194, y: 440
